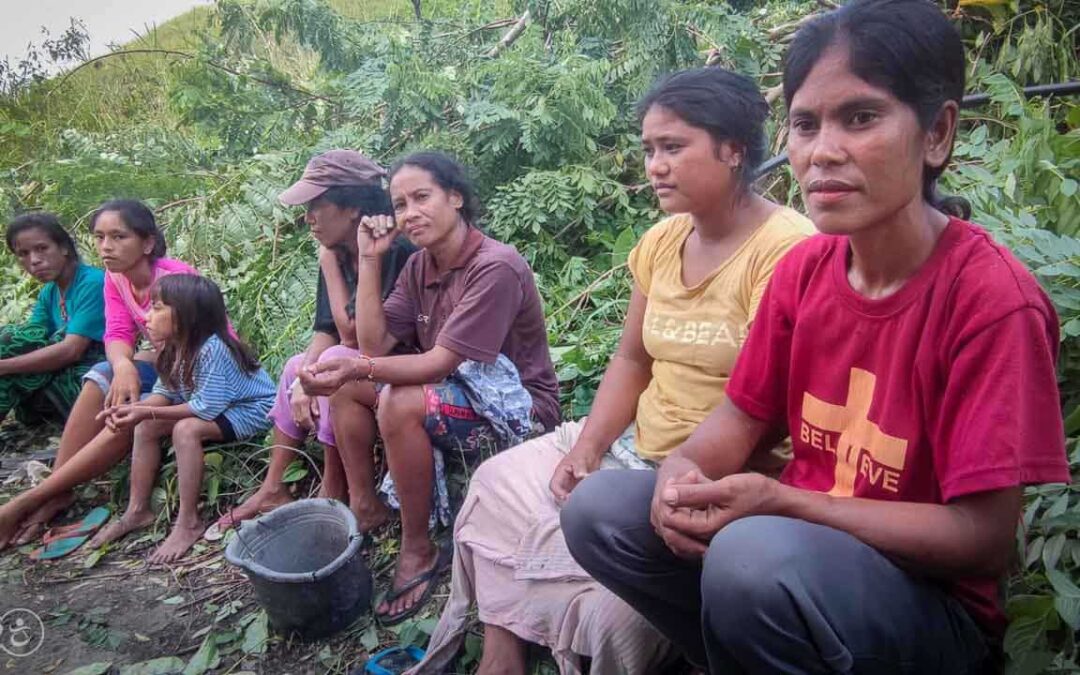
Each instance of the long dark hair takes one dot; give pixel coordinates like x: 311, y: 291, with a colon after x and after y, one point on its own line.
x: 138, y: 218
x: 47, y: 223
x: 727, y: 105
x: 907, y: 47
x: 450, y: 175
x: 198, y: 312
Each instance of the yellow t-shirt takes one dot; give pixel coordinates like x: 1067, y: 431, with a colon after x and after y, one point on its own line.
x: 694, y: 334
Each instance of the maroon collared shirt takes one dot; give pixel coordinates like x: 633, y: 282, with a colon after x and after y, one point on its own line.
x: 485, y: 304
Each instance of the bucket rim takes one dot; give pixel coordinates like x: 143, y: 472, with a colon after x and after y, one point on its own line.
x: 356, y: 539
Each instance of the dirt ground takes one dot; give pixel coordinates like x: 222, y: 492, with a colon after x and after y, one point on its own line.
x: 115, y: 614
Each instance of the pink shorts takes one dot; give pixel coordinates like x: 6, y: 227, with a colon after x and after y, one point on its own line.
x: 281, y: 413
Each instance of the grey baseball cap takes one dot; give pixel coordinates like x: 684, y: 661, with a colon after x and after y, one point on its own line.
x: 333, y: 168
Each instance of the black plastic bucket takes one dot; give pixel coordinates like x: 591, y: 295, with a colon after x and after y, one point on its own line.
x: 304, y: 561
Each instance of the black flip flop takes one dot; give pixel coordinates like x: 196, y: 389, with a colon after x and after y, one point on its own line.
x: 443, y: 560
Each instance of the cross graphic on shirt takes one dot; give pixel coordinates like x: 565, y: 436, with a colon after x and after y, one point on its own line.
x: 884, y: 454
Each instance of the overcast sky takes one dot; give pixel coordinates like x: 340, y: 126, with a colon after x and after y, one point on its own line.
x: 106, y: 20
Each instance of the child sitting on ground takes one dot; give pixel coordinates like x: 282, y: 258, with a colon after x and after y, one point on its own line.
x: 210, y: 389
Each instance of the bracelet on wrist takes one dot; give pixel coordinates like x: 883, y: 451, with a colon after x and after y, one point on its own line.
x: 370, y: 376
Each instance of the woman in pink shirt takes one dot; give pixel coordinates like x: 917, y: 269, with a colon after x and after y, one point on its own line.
x: 132, y: 249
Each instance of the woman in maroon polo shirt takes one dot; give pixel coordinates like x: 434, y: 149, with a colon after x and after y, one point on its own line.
x: 481, y: 375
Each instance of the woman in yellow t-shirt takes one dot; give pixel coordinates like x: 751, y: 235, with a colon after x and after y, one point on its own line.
x: 698, y: 278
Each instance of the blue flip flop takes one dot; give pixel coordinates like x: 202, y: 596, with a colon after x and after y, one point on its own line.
x: 394, y: 661
x: 66, y: 541
x: 58, y: 548
x: 88, y: 524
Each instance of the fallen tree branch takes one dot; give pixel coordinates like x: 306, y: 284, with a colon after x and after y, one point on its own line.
x: 513, y: 34
x: 185, y: 55
x: 589, y: 289
x: 785, y: 30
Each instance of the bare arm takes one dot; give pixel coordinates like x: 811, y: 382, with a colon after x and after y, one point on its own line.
x: 325, y: 378
x: 125, y: 387
x: 155, y: 407
x: 970, y: 536
x: 719, y: 446
x: 47, y: 359
x: 626, y: 377
x: 320, y: 342
x: 337, y: 292
x: 372, y: 337
x: 406, y: 369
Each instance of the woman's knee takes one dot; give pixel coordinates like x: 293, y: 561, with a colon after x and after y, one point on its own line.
x: 398, y: 404
x: 750, y: 567
x: 152, y: 429
x: 605, y: 500
x: 338, y: 352
x: 189, y: 432
x: 292, y: 367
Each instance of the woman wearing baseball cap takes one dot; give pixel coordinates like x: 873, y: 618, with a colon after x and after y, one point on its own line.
x: 338, y: 188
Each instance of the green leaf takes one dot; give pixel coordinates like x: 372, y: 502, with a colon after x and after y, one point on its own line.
x: 1023, y: 634
x: 1062, y: 584
x: 1068, y: 187
x: 1059, y: 507
x: 256, y: 635
x: 1051, y: 552
x: 1072, y: 422
x: 297, y: 470
x: 1029, y: 605
x: 94, y: 557
x: 1034, y: 551
x: 166, y: 665
x: 204, y: 659
x: 369, y: 640
x: 1030, y: 663
x: 623, y: 245
x: 174, y: 600
x: 99, y: 668
x: 1069, y: 611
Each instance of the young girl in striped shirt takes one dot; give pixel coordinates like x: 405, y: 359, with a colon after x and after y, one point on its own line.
x: 210, y: 388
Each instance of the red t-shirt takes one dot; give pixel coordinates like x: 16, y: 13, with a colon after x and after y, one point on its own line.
x: 943, y: 389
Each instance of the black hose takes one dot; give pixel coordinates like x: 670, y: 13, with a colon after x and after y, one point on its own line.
x: 970, y: 101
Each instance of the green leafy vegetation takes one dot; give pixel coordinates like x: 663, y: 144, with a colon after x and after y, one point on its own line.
x: 209, y: 117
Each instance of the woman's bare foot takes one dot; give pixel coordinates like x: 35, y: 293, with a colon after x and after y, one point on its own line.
x: 410, y: 565
x: 266, y: 499
x: 340, y: 493
x: 180, y: 540
x: 131, y: 521
x: 370, y: 516
x: 38, y: 522
x: 504, y: 652
x: 11, y: 520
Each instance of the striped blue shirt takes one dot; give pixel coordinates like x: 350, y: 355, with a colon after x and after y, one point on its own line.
x: 223, y: 388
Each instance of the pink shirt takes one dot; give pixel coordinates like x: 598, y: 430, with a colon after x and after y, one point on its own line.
x: 125, y: 316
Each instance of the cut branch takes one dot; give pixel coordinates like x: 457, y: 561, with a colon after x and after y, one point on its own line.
x: 513, y: 34
x: 185, y: 55
x: 785, y: 30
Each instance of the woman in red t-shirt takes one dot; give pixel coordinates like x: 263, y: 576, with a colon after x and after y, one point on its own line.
x: 911, y: 359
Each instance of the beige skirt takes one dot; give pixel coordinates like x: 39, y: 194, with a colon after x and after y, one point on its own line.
x: 511, y: 562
